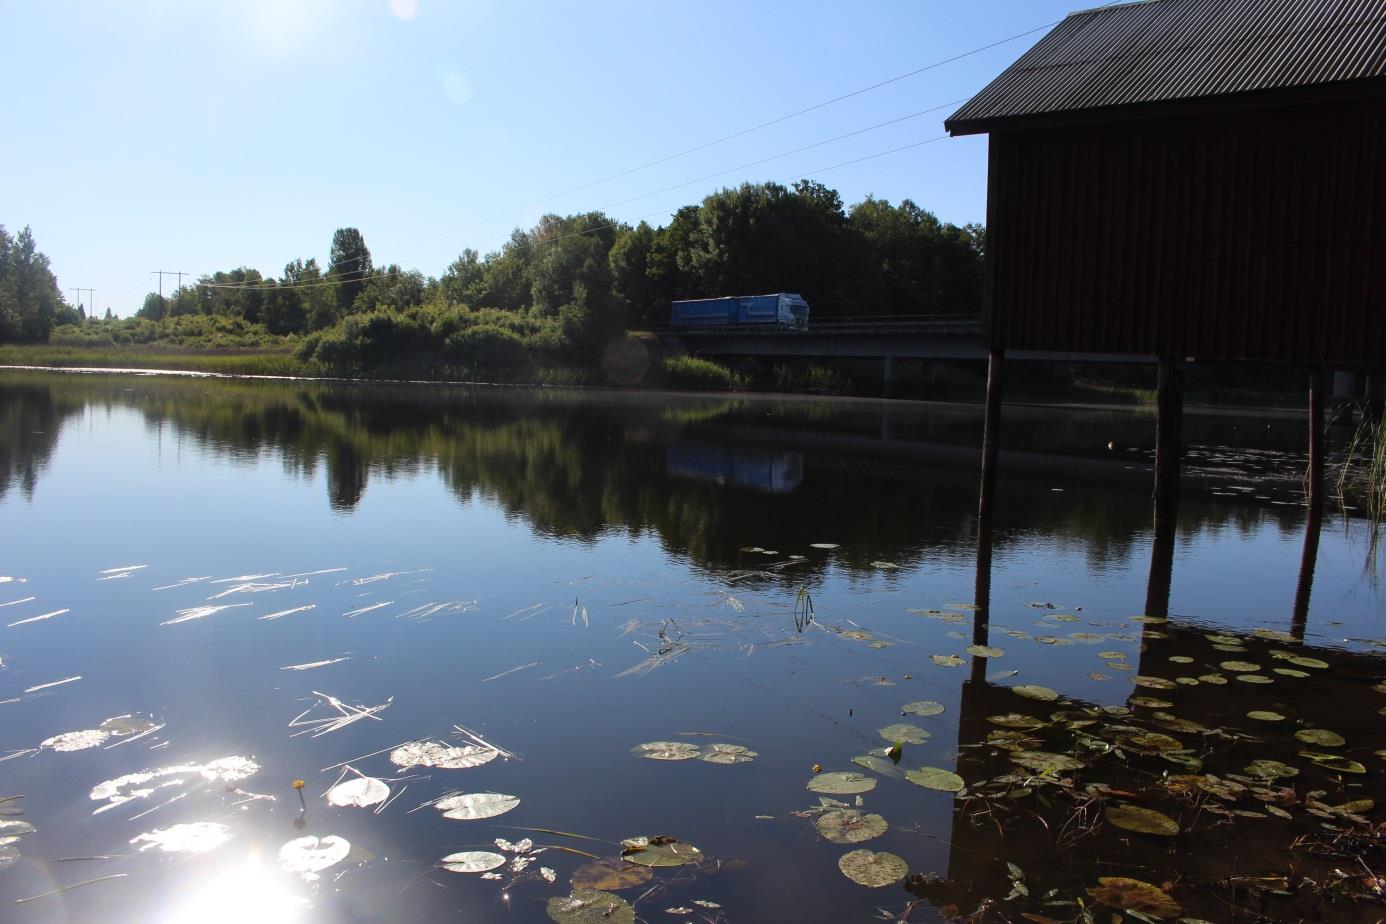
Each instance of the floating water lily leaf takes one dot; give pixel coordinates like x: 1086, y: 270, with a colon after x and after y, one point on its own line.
x: 308, y: 856
x: 1016, y: 720
x: 665, y: 851
x: 1142, y: 820
x: 935, y: 778
x: 1087, y: 638
x: 849, y: 826
x: 879, y: 764
x: 1271, y: 769
x: 1175, y: 723
x: 75, y: 741
x: 360, y: 792
x: 666, y: 750
x: 825, y: 546
x: 923, y: 707
x: 1239, y: 667
x: 588, y: 907
x: 1334, y: 762
x: 1134, y: 895
x: 903, y: 733
x: 1301, y: 660
x: 1321, y: 736
x: 841, y: 783
x: 1036, y: 692
x: 727, y: 754
x: 475, y: 805
x: 873, y: 870
x: 197, y: 837
x: 984, y: 651
x: 856, y: 635
x: 433, y: 754
x: 1289, y: 672
x: 1044, y: 761
x: 609, y: 874
x: 946, y: 660
x: 1154, y: 683
x: 1265, y: 715
x: 1150, y: 702
x: 1215, y: 679
x: 1111, y: 655
x: 122, y: 725
x: 472, y: 861
x: 1254, y: 678
x: 1181, y: 659
x: 1152, y: 741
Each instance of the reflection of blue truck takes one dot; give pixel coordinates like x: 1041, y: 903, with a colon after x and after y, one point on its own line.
x: 779, y: 309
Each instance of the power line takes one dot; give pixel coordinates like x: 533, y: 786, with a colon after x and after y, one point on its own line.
x: 729, y: 137
x: 560, y: 237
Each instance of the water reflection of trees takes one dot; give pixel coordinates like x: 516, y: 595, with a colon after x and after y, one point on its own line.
x: 574, y: 466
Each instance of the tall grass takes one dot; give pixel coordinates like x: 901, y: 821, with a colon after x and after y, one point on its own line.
x: 1361, y: 472
x: 702, y: 374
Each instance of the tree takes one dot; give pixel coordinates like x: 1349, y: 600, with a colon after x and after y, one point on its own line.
x: 29, y: 295
x: 462, y: 283
x: 631, y: 281
x: 349, y: 263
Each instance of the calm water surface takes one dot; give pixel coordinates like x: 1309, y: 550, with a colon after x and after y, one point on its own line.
x: 238, y: 568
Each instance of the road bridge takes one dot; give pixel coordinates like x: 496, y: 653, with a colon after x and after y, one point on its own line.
x: 889, y: 338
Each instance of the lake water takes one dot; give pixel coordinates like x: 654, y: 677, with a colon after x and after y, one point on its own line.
x: 226, y: 586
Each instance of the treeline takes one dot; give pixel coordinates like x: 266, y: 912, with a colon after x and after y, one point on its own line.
x: 562, y: 289
x: 30, y: 301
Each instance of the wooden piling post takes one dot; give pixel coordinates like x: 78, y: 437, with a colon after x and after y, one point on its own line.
x: 1308, y: 557
x: 991, y: 433
x: 1169, y: 425
x: 1318, y: 389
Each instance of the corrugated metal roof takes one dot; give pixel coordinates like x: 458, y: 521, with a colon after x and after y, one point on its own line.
x: 1162, y: 50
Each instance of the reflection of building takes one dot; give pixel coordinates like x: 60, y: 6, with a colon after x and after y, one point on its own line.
x: 770, y: 470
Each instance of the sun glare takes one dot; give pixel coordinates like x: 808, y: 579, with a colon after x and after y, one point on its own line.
x: 247, y: 894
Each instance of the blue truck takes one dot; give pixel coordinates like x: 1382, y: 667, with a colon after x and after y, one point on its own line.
x: 778, y: 309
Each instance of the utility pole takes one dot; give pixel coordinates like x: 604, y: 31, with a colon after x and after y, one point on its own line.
x: 161, y: 274
x: 79, y: 297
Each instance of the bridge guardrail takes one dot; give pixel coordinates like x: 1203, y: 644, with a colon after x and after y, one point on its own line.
x: 960, y: 325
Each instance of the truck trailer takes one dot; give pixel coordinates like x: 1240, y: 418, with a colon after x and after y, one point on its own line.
x: 779, y: 309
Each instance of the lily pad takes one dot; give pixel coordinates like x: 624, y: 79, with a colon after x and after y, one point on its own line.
x: 936, y: 778
x: 609, y: 874
x: 727, y: 754
x: 841, y: 783
x: 1321, y: 737
x: 1016, y: 720
x: 1045, y: 761
x: 588, y: 907
x: 665, y: 851
x: 1153, y: 683
x: 1239, y: 667
x: 1334, y: 762
x: 1150, y: 702
x: 1254, y: 678
x: 923, y: 707
x: 308, y: 856
x: 1135, y: 895
x: 1265, y: 715
x: 1271, y: 769
x: 849, y: 826
x: 360, y: 792
x: 1142, y: 820
x: 433, y: 754
x: 984, y: 651
x: 666, y: 750
x: 469, y: 806
x: 1036, y: 692
x: 75, y: 741
x: 903, y: 733
x: 873, y: 870
x: 195, y: 837
x: 472, y: 861
x: 946, y: 660
x: 1152, y: 741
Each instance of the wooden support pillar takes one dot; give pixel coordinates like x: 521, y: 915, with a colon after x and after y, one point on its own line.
x: 1308, y: 558
x: 1169, y: 425
x: 888, y: 377
x: 991, y: 433
x: 1318, y: 389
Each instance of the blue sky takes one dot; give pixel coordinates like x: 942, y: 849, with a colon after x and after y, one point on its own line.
x: 206, y: 135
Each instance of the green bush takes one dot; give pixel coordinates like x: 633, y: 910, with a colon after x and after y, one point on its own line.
x: 693, y: 372
x: 486, y: 348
